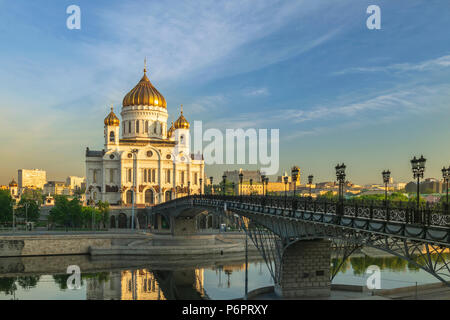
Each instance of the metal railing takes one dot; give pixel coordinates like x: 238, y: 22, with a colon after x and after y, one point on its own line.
x: 428, y: 214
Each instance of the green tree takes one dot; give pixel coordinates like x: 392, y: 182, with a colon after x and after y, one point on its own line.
x: 28, y: 208
x: 103, y: 208
x: 66, y: 212
x: 6, y: 202
x: 89, y: 215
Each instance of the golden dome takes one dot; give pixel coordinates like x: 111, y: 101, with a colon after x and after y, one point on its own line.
x: 171, y: 130
x: 111, y: 119
x: 181, y: 122
x: 144, y: 93
x: 13, y: 183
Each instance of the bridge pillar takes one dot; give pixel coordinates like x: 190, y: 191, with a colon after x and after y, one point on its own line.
x: 183, y: 225
x: 305, y: 270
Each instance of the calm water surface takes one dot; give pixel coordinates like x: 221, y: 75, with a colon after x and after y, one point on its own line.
x: 218, y: 280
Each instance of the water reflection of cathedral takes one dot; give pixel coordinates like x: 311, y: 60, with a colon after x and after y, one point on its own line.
x: 143, y: 284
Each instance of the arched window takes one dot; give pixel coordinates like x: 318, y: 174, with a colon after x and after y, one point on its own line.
x: 123, y: 127
x: 129, y: 126
x: 182, y: 139
x: 153, y: 175
x: 112, y: 136
x: 129, y: 197
x: 149, y: 196
x: 137, y: 126
x: 168, y: 195
x: 129, y: 175
x: 146, y: 126
x: 150, y: 175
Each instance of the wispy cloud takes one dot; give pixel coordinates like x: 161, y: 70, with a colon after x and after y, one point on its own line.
x: 256, y: 92
x: 319, y: 120
x: 428, y: 65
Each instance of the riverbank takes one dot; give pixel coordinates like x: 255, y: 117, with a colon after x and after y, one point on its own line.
x: 121, y: 244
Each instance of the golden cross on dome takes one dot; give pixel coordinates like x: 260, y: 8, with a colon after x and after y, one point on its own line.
x: 181, y: 109
x: 112, y: 108
x: 145, y: 64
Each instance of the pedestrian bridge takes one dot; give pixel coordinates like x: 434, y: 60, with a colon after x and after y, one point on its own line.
x: 295, y: 235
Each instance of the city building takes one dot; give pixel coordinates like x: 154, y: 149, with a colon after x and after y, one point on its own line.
x: 427, y: 186
x: 56, y: 188
x: 14, y: 189
x: 233, y: 176
x: 76, y: 183
x: 34, y: 178
x: 143, y: 154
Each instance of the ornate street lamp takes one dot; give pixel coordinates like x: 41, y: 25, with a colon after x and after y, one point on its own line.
x: 266, y: 181
x: 285, y: 190
x: 251, y: 186
x: 340, y: 175
x: 224, y: 179
x: 211, y: 181
x: 310, y: 181
x: 295, y: 170
x: 233, y: 185
x: 446, y: 176
x: 418, y: 168
x: 386, y: 177
x: 263, y: 178
x: 241, y: 177
x: 201, y: 181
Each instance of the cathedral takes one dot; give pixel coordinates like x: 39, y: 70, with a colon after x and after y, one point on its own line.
x: 142, y: 155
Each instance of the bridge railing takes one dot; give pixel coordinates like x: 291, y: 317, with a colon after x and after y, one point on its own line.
x: 427, y: 214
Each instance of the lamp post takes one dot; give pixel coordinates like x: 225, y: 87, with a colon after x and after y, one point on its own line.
x: 241, y: 178
x: 14, y: 222
x: 340, y: 175
x: 224, y: 179
x: 134, y: 152
x: 310, y: 181
x: 446, y: 176
x: 263, y: 178
x: 266, y: 181
x: 285, y: 191
x: 189, y: 188
x: 233, y: 186
x: 211, y: 181
x: 251, y: 186
x: 418, y: 168
x: 201, y: 181
x: 386, y: 177
x: 294, y: 172
x: 26, y: 215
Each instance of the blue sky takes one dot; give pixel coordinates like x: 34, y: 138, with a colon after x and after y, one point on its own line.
x: 337, y: 91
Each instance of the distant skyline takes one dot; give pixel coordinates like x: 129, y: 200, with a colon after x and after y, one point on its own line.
x: 337, y: 91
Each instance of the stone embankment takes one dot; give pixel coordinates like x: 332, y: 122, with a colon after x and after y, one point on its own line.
x: 127, y: 244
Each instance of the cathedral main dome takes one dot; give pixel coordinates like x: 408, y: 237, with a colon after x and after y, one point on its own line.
x: 144, y: 94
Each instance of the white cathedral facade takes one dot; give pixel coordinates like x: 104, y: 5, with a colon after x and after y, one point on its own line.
x: 141, y: 154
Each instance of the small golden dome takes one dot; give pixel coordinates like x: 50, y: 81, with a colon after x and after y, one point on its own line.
x: 144, y: 93
x: 13, y: 183
x: 181, y: 122
x: 171, y: 130
x: 111, y: 119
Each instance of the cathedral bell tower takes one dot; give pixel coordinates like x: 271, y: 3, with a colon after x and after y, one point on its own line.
x: 112, y: 130
x: 182, y: 136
